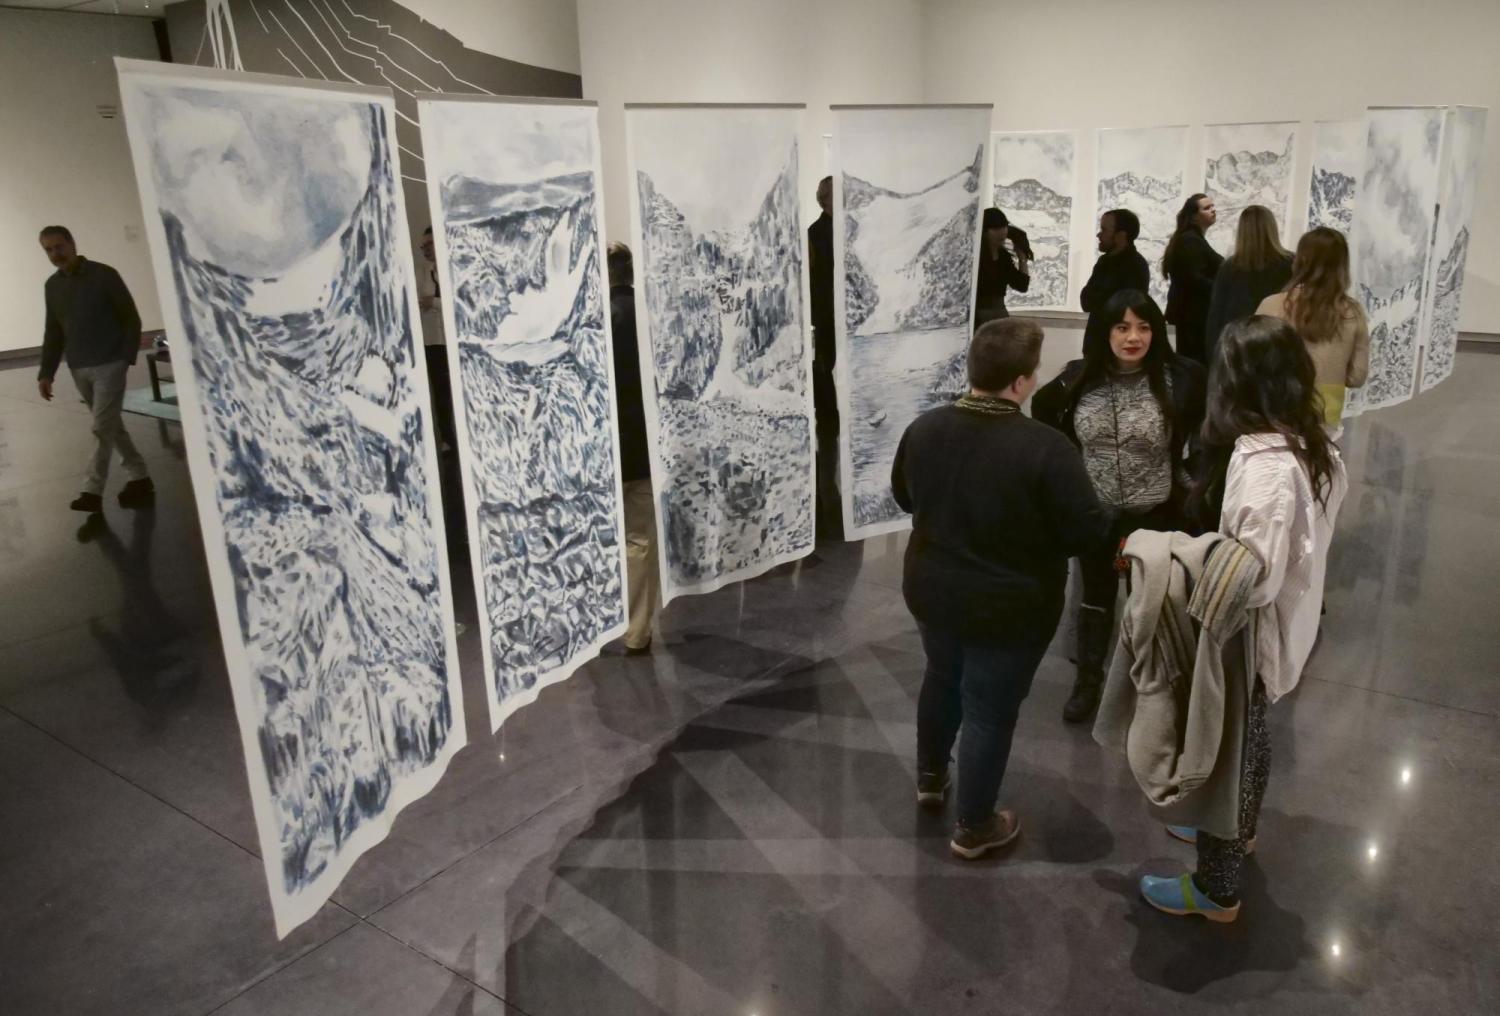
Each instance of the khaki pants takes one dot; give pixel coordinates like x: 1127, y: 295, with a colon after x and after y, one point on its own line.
x: 103, y: 388
x: 640, y: 562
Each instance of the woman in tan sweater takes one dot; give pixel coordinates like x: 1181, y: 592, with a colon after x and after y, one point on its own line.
x: 1332, y: 324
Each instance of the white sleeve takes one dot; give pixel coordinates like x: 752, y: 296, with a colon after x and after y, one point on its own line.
x: 1260, y: 502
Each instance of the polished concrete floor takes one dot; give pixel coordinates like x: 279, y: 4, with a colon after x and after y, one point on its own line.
x: 727, y: 826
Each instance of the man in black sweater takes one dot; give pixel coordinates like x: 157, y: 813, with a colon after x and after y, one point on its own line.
x: 1120, y: 265
x: 93, y: 323
x: 998, y: 503
x: 830, y: 517
x: 641, y: 570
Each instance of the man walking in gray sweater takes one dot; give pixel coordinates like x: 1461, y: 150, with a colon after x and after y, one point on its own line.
x: 92, y: 321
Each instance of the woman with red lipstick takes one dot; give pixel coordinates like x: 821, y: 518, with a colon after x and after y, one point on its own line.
x: 1131, y: 406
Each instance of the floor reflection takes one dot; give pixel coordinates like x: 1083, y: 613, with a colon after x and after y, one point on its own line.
x: 147, y: 646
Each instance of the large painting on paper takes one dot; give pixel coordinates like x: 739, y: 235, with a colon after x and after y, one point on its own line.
x: 1338, y: 159
x: 1248, y: 164
x: 721, y: 289
x: 279, y: 241
x: 1394, y: 230
x: 909, y: 187
x: 514, y: 191
x: 1463, y: 151
x: 1142, y: 169
x: 1033, y: 177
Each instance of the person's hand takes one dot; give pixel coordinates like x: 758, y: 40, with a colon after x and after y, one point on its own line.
x: 44, y: 388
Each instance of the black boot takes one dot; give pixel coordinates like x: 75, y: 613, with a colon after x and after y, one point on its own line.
x: 1094, y: 628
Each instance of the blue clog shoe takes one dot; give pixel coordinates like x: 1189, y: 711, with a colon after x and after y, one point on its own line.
x: 1181, y: 898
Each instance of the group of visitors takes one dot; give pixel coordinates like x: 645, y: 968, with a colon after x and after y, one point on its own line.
x: 1136, y: 437
x: 1231, y: 434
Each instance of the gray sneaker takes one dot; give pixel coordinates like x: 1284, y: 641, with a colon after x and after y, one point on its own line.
x: 972, y: 843
x: 932, y: 788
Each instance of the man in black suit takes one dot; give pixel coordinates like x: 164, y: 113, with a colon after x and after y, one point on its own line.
x: 825, y: 396
x: 1120, y: 265
x: 641, y: 572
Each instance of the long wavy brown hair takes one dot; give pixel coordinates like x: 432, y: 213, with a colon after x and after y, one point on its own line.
x: 1257, y: 240
x: 1187, y: 219
x: 1262, y: 382
x: 1317, y: 298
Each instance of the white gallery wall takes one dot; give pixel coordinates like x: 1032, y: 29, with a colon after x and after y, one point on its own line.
x: 821, y: 52
x: 63, y: 162
x: 1085, y: 64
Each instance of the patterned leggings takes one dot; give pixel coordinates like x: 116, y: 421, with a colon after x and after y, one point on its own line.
x: 1220, y: 861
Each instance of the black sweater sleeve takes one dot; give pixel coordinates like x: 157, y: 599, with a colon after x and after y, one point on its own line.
x: 1081, y: 522
x: 898, y: 476
x: 129, y: 319
x: 1014, y: 277
x: 1092, y: 296
x: 52, y: 343
x: 1138, y: 273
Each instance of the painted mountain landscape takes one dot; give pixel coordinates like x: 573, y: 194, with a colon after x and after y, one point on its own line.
x: 522, y: 262
x: 1338, y: 158
x: 910, y: 199
x: 1248, y: 164
x: 1463, y: 153
x: 1142, y: 169
x: 1393, y: 241
x: 310, y: 411
x: 723, y: 283
x: 1033, y: 177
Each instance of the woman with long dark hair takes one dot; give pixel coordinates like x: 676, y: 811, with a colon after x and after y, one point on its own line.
x: 1190, y: 265
x: 1259, y: 267
x: 1331, y: 322
x: 1271, y: 476
x: 1130, y: 406
x: 999, y: 268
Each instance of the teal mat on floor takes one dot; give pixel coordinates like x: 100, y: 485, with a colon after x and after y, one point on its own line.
x: 139, y: 400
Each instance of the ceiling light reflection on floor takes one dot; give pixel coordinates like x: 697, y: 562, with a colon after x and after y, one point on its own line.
x: 1336, y: 950
x: 1373, y: 851
x: 1405, y: 775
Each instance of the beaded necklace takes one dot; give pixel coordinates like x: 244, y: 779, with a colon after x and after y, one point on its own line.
x: 989, y: 405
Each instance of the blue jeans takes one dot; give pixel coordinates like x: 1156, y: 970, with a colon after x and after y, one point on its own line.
x: 978, y: 687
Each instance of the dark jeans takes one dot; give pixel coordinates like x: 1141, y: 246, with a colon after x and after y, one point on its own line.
x: 978, y: 687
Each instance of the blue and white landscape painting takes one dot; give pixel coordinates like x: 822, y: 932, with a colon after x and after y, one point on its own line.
x: 721, y: 281
x: 281, y: 252
x: 909, y: 189
x: 1394, y: 232
x: 1338, y: 158
x: 1033, y: 174
x: 1463, y: 153
x: 1248, y: 164
x: 514, y: 194
x: 1142, y: 169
